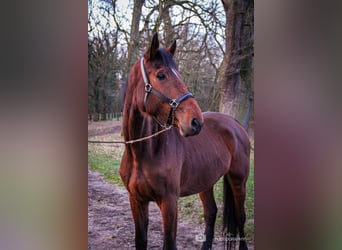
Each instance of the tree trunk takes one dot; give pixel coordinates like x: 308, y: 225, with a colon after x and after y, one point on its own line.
x: 169, y: 34
x: 133, y: 47
x: 164, y: 17
x: 237, y: 67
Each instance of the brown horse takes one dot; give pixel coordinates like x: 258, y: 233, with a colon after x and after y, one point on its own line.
x: 187, y: 159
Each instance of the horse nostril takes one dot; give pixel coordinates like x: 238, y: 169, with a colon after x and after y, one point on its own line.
x: 196, y: 125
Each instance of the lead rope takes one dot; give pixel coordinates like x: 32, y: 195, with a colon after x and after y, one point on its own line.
x: 136, y: 140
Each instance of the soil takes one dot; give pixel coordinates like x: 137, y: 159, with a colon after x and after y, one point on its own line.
x: 110, y: 223
x: 103, y: 127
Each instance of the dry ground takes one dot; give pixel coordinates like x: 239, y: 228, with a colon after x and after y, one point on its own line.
x: 110, y: 223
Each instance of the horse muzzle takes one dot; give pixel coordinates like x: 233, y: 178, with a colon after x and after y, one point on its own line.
x: 194, y: 128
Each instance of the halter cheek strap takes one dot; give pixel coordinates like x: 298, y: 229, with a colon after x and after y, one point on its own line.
x: 174, y: 103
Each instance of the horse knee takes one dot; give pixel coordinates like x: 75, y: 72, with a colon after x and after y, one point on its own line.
x: 212, y: 213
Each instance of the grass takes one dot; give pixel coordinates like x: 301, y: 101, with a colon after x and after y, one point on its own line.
x: 106, y: 160
x: 249, y: 203
x: 105, y: 164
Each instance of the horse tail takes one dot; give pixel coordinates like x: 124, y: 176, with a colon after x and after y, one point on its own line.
x: 229, y: 220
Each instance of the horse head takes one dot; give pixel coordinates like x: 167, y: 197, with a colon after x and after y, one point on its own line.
x: 165, y: 96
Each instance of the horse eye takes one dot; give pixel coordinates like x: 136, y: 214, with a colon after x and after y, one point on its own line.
x: 161, y: 76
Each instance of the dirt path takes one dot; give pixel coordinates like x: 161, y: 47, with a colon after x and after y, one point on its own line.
x: 110, y: 223
x: 103, y: 127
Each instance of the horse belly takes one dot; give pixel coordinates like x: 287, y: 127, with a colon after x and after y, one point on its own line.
x: 202, y: 170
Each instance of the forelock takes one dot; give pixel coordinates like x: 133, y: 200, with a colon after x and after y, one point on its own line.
x: 167, y: 59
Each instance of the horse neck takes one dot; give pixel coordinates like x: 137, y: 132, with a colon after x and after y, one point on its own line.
x: 136, y: 123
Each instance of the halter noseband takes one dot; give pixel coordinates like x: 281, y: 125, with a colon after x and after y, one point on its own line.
x: 172, y: 102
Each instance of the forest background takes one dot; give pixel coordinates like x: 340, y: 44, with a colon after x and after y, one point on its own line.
x: 214, y: 51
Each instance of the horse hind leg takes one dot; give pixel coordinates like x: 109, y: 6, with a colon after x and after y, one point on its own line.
x: 229, y: 218
x: 238, y: 188
x: 210, y: 210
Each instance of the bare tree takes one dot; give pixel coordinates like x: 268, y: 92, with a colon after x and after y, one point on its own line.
x: 199, y: 29
x: 103, y: 74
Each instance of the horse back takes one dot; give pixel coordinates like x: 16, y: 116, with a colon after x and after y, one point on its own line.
x: 233, y: 133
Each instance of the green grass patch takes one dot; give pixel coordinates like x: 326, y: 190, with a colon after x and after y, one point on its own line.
x: 104, y: 163
x: 249, y: 203
x: 190, y: 208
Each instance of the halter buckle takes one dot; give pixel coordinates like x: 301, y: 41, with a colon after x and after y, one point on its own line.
x: 173, y: 103
x: 148, y: 88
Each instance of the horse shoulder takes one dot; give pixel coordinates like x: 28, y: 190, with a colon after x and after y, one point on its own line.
x: 126, y: 167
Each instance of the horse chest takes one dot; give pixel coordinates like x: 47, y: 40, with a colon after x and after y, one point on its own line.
x: 152, y: 176
x: 148, y: 185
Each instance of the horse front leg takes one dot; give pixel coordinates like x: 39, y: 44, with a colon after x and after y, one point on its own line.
x: 140, y: 216
x: 168, y: 207
x: 210, y: 210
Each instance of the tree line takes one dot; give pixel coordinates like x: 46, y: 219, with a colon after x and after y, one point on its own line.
x: 214, y: 50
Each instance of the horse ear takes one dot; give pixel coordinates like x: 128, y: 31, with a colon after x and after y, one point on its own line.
x: 152, y: 51
x: 172, y: 48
